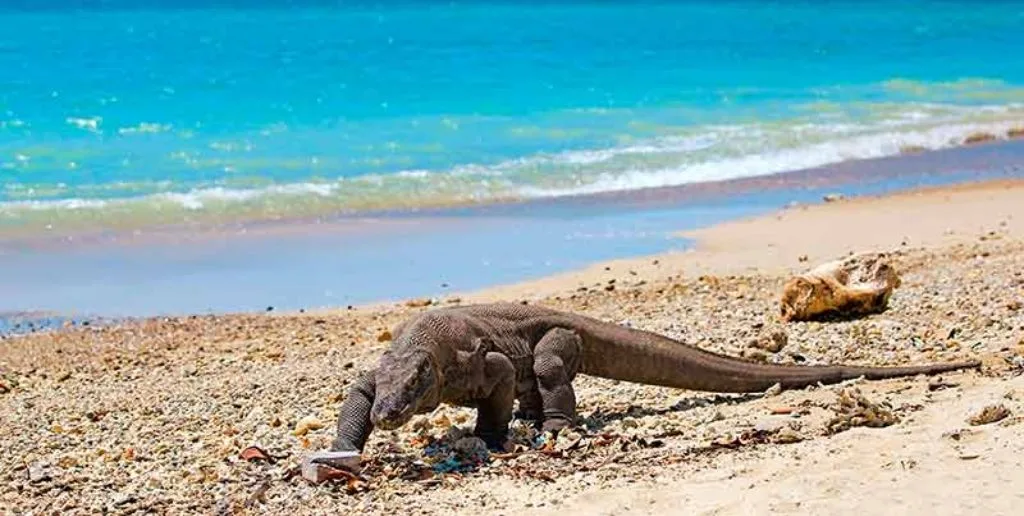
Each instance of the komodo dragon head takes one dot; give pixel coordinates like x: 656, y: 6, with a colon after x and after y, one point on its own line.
x: 407, y: 383
x: 410, y: 380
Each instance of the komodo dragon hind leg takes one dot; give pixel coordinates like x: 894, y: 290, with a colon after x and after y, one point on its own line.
x: 531, y: 406
x: 494, y: 407
x: 556, y: 359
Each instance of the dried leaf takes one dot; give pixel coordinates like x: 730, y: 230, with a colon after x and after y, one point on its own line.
x: 254, y: 454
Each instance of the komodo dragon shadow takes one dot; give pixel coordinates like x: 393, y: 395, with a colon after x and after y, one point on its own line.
x: 489, y: 356
x: 601, y: 418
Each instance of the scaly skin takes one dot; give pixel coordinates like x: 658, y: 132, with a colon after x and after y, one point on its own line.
x: 487, y: 356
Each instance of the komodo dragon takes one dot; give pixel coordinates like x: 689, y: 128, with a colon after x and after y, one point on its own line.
x: 488, y: 356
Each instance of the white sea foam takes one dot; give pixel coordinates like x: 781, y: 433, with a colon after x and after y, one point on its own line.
x: 91, y: 124
x: 145, y: 128
x: 774, y: 160
x: 690, y: 155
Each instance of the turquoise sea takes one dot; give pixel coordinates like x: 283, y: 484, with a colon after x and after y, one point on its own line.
x: 125, y: 115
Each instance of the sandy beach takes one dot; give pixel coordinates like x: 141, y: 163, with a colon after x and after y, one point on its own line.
x: 154, y: 416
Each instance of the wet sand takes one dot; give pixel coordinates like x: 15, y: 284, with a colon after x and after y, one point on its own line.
x: 153, y: 415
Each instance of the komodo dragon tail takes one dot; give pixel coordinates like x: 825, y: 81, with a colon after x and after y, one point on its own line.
x: 620, y: 353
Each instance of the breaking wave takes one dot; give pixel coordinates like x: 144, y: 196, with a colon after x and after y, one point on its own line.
x: 685, y: 155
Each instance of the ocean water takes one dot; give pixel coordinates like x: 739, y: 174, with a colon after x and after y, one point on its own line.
x: 131, y: 114
x: 186, y: 156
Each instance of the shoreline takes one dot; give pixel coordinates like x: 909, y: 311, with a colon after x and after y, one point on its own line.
x: 733, y: 246
x: 924, y: 164
x: 737, y: 247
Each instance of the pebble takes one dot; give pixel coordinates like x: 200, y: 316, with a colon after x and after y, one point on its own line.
x: 306, y: 424
x: 771, y: 424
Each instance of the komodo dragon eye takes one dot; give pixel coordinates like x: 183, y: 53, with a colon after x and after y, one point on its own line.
x: 423, y: 380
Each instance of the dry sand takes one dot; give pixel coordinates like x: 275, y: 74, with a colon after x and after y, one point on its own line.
x: 153, y: 416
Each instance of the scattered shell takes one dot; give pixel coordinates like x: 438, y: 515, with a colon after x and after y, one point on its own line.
x: 989, y: 414
x: 856, y: 410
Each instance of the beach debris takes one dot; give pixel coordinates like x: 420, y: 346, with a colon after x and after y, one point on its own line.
x: 833, y: 197
x: 419, y: 302
x: 856, y: 410
x: 771, y: 339
x: 255, y: 454
x: 858, y: 285
x: 989, y: 414
x: 471, y: 449
x: 384, y: 336
x: 306, y: 424
x: 322, y: 466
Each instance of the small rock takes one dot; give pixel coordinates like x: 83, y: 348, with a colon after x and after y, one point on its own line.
x: 755, y: 355
x: 306, y: 424
x: 384, y: 336
x: 989, y: 414
x: 39, y: 472
x: 940, y: 383
x: 771, y: 339
x: 774, y: 390
x: 786, y: 435
x: 833, y: 197
x: 771, y: 424
x: 419, y: 303
x: 471, y: 448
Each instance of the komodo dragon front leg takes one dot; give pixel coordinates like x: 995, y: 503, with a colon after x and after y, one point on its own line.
x: 556, y: 360
x: 495, y: 401
x: 354, y: 425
